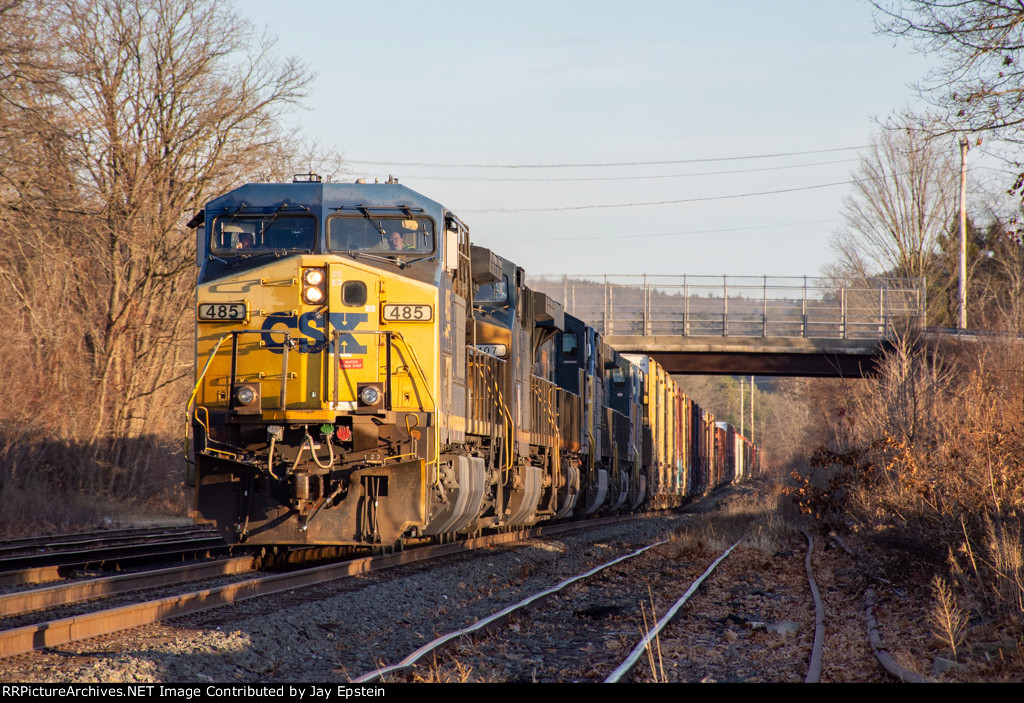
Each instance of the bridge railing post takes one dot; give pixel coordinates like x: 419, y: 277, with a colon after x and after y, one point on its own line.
x: 725, y: 307
x: 922, y: 301
x: 647, y: 308
x: 842, y: 311
x: 686, y: 307
x: 881, y: 309
x: 764, y: 313
x: 887, y: 329
x: 606, y: 322
x: 803, y: 311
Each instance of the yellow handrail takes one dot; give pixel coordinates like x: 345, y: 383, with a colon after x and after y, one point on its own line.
x: 192, y: 397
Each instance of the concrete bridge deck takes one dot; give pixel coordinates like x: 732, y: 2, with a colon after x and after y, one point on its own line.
x: 759, y: 356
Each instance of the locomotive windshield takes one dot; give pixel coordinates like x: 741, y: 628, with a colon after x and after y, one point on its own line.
x: 241, y: 235
x: 386, y: 236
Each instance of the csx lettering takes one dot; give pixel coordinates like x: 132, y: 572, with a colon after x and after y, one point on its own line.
x: 313, y: 337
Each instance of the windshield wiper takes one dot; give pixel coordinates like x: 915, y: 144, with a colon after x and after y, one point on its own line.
x: 374, y: 257
x: 422, y: 258
x: 258, y: 254
x: 379, y: 226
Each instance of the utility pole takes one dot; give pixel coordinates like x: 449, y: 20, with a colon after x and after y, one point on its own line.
x: 752, y: 409
x: 742, y: 412
x: 963, y: 233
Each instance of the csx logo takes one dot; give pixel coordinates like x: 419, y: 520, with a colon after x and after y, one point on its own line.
x: 315, y: 337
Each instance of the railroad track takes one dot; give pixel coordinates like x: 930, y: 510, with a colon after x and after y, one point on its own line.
x: 42, y: 559
x: 22, y: 637
x: 550, y: 636
x: 734, y: 629
x: 579, y: 629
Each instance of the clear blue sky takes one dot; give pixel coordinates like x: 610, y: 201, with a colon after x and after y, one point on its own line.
x: 607, y: 82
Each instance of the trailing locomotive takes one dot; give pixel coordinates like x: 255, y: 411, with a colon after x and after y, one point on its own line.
x: 365, y: 374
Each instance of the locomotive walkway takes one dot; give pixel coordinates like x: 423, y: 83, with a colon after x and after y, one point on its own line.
x: 768, y: 325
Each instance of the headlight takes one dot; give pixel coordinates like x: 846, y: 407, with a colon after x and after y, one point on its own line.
x: 245, y: 399
x: 245, y: 395
x: 369, y: 395
x: 313, y: 288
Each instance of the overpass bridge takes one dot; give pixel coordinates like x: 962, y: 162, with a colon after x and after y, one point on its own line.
x: 742, y: 325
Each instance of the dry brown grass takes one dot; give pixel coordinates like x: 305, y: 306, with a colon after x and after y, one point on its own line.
x: 40, y: 492
x: 929, y: 457
x: 760, y: 518
x: 948, y: 620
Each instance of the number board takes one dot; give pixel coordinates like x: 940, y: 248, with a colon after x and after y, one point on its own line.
x: 222, y: 312
x: 396, y: 312
x: 499, y: 350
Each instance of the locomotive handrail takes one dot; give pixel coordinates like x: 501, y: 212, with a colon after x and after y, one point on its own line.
x: 189, y: 408
x: 390, y: 336
x: 234, y: 341
x: 426, y: 386
x: 199, y: 380
x: 507, y: 424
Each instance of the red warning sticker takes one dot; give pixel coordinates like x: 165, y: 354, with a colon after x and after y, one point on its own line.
x: 351, y: 363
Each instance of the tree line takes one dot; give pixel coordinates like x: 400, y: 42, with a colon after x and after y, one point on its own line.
x: 118, y: 119
x: 902, y: 217
x: 928, y: 455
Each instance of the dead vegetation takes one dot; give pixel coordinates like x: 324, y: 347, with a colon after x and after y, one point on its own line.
x: 928, y: 459
x: 118, y: 119
x: 761, y: 517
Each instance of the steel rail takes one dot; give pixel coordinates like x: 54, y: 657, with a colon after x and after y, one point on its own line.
x: 491, y: 620
x: 875, y: 641
x: 60, y: 632
x: 814, y: 668
x: 16, y: 570
x: 626, y: 666
x: 71, y: 593
x: 98, y: 537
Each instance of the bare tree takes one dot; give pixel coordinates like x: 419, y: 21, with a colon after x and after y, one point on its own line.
x: 978, y: 85
x: 903, y: 201
x: 904, y: 196
x: 122, y: 117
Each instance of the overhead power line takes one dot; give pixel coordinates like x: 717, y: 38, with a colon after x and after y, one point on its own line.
x: 625, y: 178
x: 659, y: 202
x: 676, y: 202
x: 518, y: 240
x: 604, y: 165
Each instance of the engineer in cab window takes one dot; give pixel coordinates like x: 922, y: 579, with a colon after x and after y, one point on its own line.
x: 399, y: 236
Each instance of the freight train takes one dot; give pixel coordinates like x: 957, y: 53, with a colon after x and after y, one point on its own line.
x: 365, y: 375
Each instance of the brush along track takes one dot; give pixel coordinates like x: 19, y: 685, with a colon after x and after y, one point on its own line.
x: 602, y: 581
x: 582, y: 631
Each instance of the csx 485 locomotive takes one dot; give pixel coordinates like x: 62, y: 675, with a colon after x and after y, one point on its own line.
x: 364, y: 374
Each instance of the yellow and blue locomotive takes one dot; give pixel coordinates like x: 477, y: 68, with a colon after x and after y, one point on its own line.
x: 364, y: 374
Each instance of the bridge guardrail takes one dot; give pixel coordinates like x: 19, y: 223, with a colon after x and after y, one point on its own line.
x: 740, y: 306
